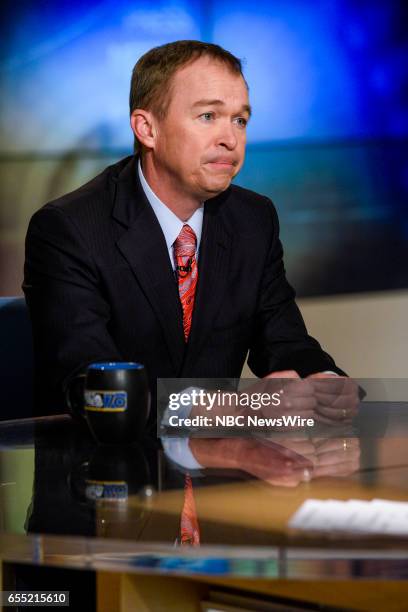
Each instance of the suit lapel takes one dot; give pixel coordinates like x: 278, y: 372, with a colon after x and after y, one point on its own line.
x: 213, y: 264
x: 144, y: 247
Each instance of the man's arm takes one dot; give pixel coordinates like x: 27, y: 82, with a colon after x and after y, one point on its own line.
x: 68, y: 311
x: 281, y: 341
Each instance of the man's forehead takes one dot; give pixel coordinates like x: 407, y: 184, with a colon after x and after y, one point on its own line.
x: 207, y: 78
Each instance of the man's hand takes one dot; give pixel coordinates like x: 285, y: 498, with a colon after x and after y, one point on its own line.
x: 296, y: 398
x: 337, y: 398
x: 336, y: 456
x: 283, y: 374
x: 296, y: 394
x: 273, y: 463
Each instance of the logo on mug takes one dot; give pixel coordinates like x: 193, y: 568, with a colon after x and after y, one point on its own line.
x: 106, y: 401
x: 115, y: 490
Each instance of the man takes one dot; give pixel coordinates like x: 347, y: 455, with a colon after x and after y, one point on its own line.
x: 100, y: 262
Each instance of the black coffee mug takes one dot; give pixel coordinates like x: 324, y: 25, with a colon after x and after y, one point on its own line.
x: 117, y: 472
x: 116, y: 401
x: 112, y: 473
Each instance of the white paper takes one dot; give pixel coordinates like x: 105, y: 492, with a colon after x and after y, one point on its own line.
x: 379, y: 516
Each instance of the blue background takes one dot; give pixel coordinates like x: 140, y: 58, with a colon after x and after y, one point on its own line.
x: 327, y: 140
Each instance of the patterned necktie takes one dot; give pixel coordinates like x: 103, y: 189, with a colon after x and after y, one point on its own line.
x: 184, y: 249
x: 189, y: 527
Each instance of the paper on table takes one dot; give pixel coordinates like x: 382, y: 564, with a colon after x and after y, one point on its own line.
x: 355, y: 515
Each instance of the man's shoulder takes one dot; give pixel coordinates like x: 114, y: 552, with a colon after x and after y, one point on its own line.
x: 253, y: 210
x: 97, y: 193
x: 249, y: 197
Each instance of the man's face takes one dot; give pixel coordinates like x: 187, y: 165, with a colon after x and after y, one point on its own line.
x: 200, y: 144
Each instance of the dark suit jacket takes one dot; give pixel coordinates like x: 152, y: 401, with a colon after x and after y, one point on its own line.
x: 99, y: 286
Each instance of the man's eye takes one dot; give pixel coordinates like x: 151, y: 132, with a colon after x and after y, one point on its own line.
x: 207, y: 116
x: 241, y: 121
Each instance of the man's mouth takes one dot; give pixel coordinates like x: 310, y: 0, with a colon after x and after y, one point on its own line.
x: 222, y: 163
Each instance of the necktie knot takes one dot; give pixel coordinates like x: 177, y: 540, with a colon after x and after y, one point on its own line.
x: 185, y: 243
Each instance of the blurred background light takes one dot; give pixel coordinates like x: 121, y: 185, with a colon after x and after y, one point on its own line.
x: 327, y: 141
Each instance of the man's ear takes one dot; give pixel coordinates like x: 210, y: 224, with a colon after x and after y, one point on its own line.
x: 142, y: 123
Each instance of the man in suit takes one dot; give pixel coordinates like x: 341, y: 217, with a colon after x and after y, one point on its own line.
x: 100, y: 262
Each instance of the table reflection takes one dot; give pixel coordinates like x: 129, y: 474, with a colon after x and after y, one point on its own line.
x: 245, y: 491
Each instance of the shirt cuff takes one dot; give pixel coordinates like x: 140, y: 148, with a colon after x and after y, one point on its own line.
x: 178, y: 450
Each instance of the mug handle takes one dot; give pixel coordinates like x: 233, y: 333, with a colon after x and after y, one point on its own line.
x: 74, y: 395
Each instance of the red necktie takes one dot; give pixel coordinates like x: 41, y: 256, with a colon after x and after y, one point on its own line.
x: 184, y: 249
x: 189, y: 527
x: 186, y: 267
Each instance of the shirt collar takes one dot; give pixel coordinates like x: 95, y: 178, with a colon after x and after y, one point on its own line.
x: 170, y: 224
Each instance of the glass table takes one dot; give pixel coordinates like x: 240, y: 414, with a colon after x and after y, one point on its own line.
x: 66, y: 502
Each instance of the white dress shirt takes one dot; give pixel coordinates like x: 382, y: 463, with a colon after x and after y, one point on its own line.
x: 170, y: 224
x: 176, y: 449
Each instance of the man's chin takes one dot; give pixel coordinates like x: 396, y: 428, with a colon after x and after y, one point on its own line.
x: 214, y: 188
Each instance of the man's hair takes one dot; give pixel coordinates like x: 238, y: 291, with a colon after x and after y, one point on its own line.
x: 150, y: 87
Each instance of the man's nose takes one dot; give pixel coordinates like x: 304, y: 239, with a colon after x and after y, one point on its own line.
x: 227, y: 136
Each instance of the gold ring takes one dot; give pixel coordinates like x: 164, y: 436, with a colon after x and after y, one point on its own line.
x: 307, y: 476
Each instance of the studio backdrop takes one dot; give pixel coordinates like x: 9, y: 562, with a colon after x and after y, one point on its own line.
x: 327, y: 141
